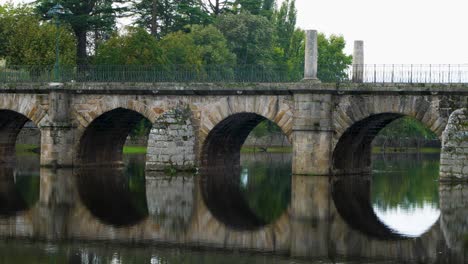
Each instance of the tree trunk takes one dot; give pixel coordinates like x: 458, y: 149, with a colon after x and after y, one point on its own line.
x: 81, y: 52
x: 154, y: 18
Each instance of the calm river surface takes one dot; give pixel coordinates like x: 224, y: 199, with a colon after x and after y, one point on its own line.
x: 129, y: 216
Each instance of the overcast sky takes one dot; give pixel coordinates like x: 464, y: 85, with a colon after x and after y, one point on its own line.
x: 394, y: 31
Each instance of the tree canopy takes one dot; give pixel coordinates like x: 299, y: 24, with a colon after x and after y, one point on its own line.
x: 257, y: 33
x: 31, y: 42
x: 86, y: 16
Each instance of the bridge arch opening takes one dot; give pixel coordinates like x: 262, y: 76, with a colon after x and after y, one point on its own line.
x: 103, y: 141
x: 111, y: 178
x: 397, y: 160
x: 20, y: 142
x: 18, y: 136
x: 240, y: 178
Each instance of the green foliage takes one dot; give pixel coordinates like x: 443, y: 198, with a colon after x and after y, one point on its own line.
x: 407, y: 127
x: 180, y: 49
x: 217, y: 7
x: 267, y: 188
x: 136, y: 48
x: 86, y: 16
x: 249, y: 37
x: 162, y: 17
x: 405, y: 182
x: 141, y: 129
x: 252, y: 6
x: 179, y: 32
x: 290, y: 47
x: 28, y: 187
x: 31, y: 42
x: 284, y: 20
x: 135, y: 173
x: 212, y: 45
x: 266, y: 127
x: 332, y: 61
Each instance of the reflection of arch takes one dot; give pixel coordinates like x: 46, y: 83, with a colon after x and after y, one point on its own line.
x: 103, y: 140
x: 221, y: 171
x: 12, y: 200
x: 108, y: 195
x: 351, y: 196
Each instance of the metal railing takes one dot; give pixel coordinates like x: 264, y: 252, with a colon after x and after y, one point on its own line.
x: 408, y: 73
x: 368, y: 73
x: 164, y: 73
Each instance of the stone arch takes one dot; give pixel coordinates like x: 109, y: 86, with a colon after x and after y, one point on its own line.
x: 15, y: 112
x: 224, y: 127
x: 358, y: 119
x: 274, y: 108
x: 102, y: 141
x: 89, y: 109
x: 93, y: 110
x: 25, y: 105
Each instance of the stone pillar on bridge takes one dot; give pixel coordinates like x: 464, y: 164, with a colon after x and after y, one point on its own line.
x: 454, y: 153
x: 311, y: 55
x: 312, y: 134
x: 57, y: 139
x: 358, y: 61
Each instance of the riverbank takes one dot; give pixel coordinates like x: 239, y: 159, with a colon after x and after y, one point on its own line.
x: 426, y: 150
x: 25, y: 149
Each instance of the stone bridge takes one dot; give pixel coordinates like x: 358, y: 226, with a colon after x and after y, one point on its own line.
x: 330, y: 126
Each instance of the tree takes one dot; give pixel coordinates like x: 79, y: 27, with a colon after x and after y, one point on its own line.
x: 212, y: 45
x: 249, y: 37
x: 252, y: 6
x: 268, y: 8
x: 284, y: 20
x: 138, y: 47
x: 91, y: 15
x: 217, y: 7
x: 332, y: 61
x: 180, y: 49
x: 162, y: 17
x: 31, y: 42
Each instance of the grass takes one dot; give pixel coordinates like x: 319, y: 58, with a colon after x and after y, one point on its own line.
x: 406, y: 150
x: 32, y: 150
x: 24, y: 149
x: 134, y: 150
x: 267, y: 150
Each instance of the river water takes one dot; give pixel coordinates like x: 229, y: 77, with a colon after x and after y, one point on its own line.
x: 399, y: 213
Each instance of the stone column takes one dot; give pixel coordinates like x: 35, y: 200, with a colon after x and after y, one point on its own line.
x: 358, y: 61
x: 454, y: 154
x: 311, y: 55
x: 312, y: 134
x: 57, y: 139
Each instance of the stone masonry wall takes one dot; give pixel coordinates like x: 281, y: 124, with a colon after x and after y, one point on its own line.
x: 454, y: 156
x: 171, y: 141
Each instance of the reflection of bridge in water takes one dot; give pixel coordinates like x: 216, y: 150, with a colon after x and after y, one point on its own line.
x: 327, y: 217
